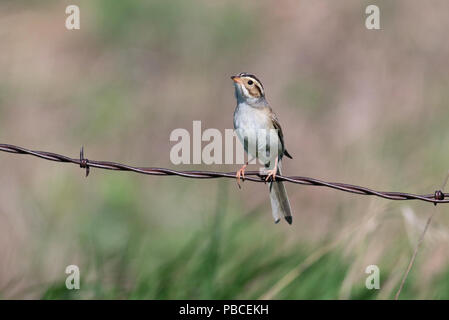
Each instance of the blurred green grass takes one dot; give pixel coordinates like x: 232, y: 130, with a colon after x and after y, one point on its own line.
x: 224, y: 259
x: 211, y: 264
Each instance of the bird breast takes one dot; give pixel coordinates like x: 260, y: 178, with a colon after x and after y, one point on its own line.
x: 254, y: 124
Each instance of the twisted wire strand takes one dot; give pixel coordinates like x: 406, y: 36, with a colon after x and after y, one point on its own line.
x: 255, y: 176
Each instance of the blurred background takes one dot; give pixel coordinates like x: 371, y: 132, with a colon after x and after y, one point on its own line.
x: 358, y: 106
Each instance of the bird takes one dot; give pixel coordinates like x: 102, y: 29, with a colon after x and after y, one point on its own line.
x: 260, y: 132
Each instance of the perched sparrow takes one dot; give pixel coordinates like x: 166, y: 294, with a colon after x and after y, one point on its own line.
x: 259, y: 130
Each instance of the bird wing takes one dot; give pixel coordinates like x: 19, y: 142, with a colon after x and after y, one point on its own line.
x: 277, y: 126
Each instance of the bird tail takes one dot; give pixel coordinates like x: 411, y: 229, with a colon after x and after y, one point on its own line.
x: 280, y: 205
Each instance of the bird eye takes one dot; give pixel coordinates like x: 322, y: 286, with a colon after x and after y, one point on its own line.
x: 250, y: 82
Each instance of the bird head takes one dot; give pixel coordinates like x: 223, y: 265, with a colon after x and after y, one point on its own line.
x: 248, y: 88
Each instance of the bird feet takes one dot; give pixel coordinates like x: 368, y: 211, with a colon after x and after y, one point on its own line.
x: 241, y: 174
x: 271, y: 175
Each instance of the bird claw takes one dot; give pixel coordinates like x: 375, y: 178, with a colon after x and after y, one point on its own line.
x: 271, y: 175
x: 240, y: 175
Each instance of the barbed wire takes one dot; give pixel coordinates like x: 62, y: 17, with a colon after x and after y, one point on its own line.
x: 255, y: 176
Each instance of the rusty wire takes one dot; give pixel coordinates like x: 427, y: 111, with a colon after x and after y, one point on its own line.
x: 255, y: 176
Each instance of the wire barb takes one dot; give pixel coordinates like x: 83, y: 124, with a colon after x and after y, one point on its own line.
x: 439, y: 195
x: 84, y: 163
x: 254, y: 176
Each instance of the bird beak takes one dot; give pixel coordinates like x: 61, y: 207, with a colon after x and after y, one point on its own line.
x: 236, y: 79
